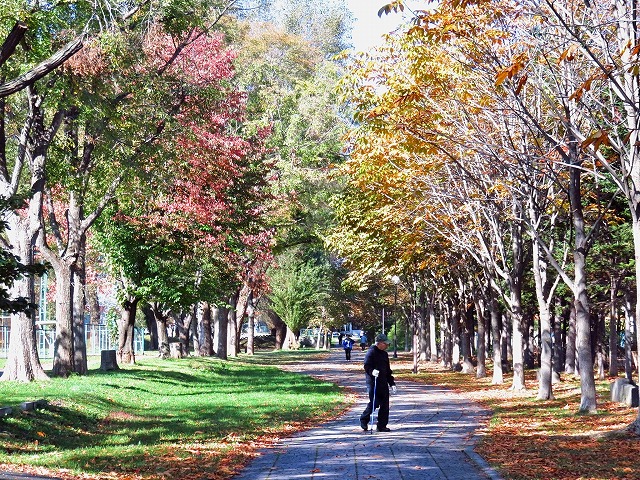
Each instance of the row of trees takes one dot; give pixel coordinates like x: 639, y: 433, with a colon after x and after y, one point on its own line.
x: 175, y: 151
x: 495, y: 168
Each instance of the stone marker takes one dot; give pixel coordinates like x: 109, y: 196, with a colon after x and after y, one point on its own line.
x: 624, y: 391
x: 108, y: 360
x: 27, y: 406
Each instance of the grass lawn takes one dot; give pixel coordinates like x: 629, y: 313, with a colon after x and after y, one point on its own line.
x: 188, y: 418
x: 203, y: 418
x: 529, y: 439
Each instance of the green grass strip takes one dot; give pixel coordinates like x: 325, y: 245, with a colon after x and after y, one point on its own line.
x: 118, y: 420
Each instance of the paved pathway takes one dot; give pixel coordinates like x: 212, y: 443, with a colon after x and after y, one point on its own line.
x: 432, y: 436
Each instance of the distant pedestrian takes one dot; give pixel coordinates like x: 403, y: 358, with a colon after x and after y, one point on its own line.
x: 363, y: 341
x: 379, y: 378
x: 347, y: 344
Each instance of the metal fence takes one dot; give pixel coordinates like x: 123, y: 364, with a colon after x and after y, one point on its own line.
x: 97, y: 338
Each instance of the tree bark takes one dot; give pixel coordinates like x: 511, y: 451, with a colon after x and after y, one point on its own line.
x: 515, y: 300
x: 613, y: 327
x: 423, y: 331
x: 446, y: 338
x: 453, y: 312
x: 432, y: 329
x: 496, y: 337
x: 570, y: 355
x: 290, y: 341
x: 184, y: 323
x: 558, y: 346
x: 467, y: 334
x: 91, y: 294
x: 581, y: 301
x: 23, y: 363
x: 204, y: 322
x: 545, y: 380
x: 232, y: 328
x: 14, y: 38
x: 79, y: 302
x: 160, y: 317
x: 126, y: 329
x: 481, y: 368
x: 63, y: 362
x: 280, y: 330
x: 629, y: 320
x: 251, y: 325
x: 150, y: 322
x: 221, y: 316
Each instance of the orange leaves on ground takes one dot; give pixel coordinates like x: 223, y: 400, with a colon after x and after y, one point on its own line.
x: 533, y: 439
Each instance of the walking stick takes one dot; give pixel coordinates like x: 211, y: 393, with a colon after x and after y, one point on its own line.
x: 373, y: 405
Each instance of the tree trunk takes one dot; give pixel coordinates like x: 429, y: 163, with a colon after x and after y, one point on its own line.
x: 150, y: 322
x: 184, y: 324
x: 516, y: 345
x: 423, y: 331
x: 241, y: 305
x: 126, y: 329
x: 598, y: 341
x: 581, y: 301
x: 232, y: 328
x: 545, y: 379
x: 613, y: 327
x: 63, y: 362
x: 529, y: 350
x: 280, y: 330
x: 91, y: 294
x: 496, y: 337
x: 570, y: 355
x: 558, y: 347
x: 23, y: 363
x: 222, y: 329
x: 432, y: 329
x: 160, y: 319
x: 515, y: 301
x: 454, y: 313
x: 79, y: 303
x: 467, y: 335
x: 290, y: 341
x: 204, y: 321
x: 446, y: 340
x: 629, y: 320
x: 481, y: 369
x: 251, y: 325
x: 507, y: 355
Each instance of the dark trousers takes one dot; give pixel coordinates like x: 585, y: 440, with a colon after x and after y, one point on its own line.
x: 382, y: 404
x: 347, y: 353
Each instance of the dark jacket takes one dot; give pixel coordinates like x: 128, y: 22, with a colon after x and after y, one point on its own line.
x: 377, y: 359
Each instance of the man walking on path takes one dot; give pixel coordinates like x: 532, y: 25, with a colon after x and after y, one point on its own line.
x: 363, y: 341
x: 379, y: 378
x: 347, y: 344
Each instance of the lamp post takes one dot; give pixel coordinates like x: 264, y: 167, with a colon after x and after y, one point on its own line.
x: 396, y: 280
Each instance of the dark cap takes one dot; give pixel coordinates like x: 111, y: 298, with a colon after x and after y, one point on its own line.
x: 382, y: 338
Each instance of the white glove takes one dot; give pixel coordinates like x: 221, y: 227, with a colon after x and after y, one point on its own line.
x: 375, y: 373
x: 394, y: 390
